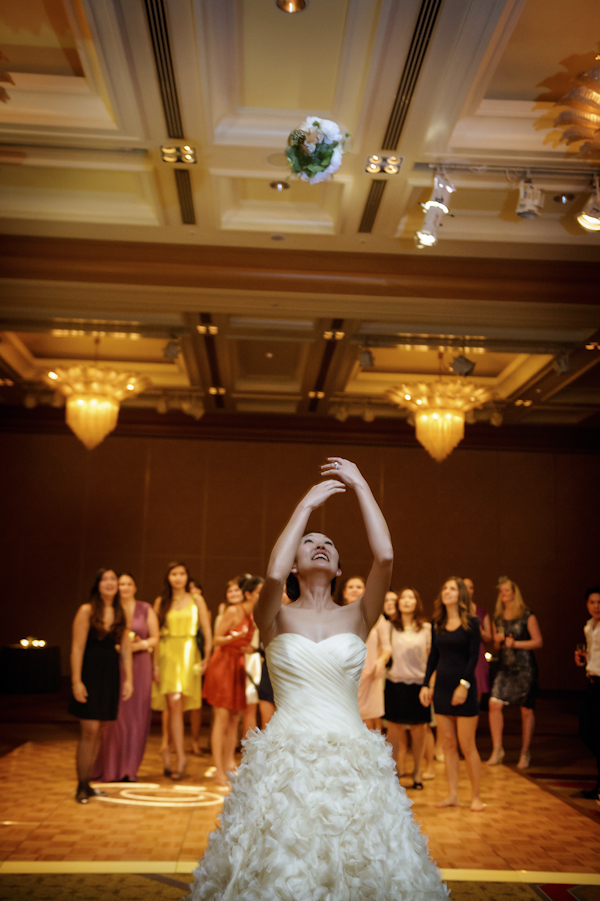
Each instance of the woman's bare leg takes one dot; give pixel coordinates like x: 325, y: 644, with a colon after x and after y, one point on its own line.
x: 266, y: 712
x: 249, y: 718
x: 196, y: 723
x: 87, y: 749
x: 496, y: 718
x: 231, y: 739
x: 446, y: 726
x: 396, y: 735
x: 175, y: 702
x: 466, y: 727
x: 417, y: 735
x: 428, y: 753
x: 528, y: 722
x: 218, y: 741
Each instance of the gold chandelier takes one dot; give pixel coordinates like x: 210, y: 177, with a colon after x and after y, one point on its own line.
x: 439, y: 409
x: 93, y: 398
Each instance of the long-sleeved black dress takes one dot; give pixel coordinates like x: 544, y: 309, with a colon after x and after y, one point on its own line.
x: 454, y: 655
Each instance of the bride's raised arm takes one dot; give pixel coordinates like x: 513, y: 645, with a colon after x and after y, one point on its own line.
x: 378, y: 534
x: 284, y: 553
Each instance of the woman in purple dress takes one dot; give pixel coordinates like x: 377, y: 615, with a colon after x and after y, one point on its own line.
x: 482, y: 670
x: 124, y: 740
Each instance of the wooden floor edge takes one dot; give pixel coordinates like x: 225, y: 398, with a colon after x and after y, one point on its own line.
x: 141, y: 867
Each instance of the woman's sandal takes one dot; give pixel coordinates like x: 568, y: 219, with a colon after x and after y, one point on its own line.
x: 166, y: 759
x: 178, y: 775
x: 418, y: 786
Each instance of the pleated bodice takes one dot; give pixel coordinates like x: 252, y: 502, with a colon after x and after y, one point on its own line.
x: 315, y: 684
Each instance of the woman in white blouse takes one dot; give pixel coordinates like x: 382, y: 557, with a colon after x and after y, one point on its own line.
x: 411, y: 642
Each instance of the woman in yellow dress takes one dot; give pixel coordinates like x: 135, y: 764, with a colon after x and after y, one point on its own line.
x: 177, y: 671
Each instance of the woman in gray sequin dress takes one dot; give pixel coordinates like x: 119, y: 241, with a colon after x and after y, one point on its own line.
x: 516, y: 635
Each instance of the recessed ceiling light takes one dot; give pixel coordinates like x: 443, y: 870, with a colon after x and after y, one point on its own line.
x: 279, y: 185
x: 291, y: 6
x: 277, y: 237
x: 564, y: 198
x: 269, y: 355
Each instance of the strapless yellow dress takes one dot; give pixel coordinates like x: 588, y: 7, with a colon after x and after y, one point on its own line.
x: 179, y: 660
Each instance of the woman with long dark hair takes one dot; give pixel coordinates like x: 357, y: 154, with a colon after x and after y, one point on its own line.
x: 451, y: 666
x: 99, y: 626
x: 124, y: 741
x: 316, y: 810
x: 411, y: 643
x: 178, y: 669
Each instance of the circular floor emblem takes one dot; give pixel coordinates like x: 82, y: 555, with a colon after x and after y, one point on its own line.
x: 151, y: 794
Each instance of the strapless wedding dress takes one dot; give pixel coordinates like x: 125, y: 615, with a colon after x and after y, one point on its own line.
x: 316, y: 812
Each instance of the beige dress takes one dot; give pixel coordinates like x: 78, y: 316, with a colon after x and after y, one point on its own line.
x: 370, y: 691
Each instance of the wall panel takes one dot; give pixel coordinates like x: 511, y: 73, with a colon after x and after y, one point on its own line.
x: 138, y: 502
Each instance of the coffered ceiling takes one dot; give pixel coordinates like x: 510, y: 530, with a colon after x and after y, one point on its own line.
x: 273, y: 297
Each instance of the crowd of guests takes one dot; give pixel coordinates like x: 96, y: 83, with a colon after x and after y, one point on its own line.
x: 418, y: 676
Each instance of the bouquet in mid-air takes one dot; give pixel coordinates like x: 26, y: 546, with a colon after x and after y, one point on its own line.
x: 315, y: 149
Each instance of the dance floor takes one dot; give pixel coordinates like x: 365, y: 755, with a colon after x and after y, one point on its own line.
x: 145, y: 839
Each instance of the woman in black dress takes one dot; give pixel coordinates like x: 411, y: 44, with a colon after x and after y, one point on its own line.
x: 451, y: 669
x: 97, y: 628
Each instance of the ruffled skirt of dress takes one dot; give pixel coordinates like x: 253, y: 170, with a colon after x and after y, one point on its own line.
x: 317, y: 818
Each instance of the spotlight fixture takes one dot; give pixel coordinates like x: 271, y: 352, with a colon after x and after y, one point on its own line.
x: 207, y: 329
x: 291, y: 6
x: 385, y: 163
x: 279, y: 185
x: 171, y: 350
x: 435, y: 209
x: 440, y: 196
x: 462, y: 366
x: 589, y: 217
x: 342, y: 414
x: 531, y: 200
x: 563, y: 198
x: 562, y: 364
x: 427, y: 234
x: 179, y: 154
x: 369, y: 414
x: 366, y: 359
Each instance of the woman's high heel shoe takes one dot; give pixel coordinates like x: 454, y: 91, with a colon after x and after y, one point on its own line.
x: 497, y: 757
x: 166, y: 759
x: 524, y: 760
x: 178, y: 775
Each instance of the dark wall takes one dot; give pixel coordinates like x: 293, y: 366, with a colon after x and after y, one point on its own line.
x: 137, y: 503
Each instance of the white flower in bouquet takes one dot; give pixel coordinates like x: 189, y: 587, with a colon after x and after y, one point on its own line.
x: 315, y: 149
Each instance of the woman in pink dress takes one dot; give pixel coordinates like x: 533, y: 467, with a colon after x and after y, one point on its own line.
x: 371, y: 702
x: 124, y: 740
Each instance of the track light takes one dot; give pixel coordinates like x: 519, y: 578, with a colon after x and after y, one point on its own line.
x: 427, y: 234
x: 531, y: 200
x: 589, y: 217
x: 562, y: 364
x: 366, y: 359
x: 462, y: 366
x: 440, y: 196
x: 436, y: 208
x: 171, y: 350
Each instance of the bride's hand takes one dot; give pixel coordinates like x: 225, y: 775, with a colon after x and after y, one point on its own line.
x: 344, y: 470
x: 320, y: 493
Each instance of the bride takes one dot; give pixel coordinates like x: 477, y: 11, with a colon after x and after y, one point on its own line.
x: 316, y: 812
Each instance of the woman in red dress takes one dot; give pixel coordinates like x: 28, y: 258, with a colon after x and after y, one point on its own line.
x: 225, y: 678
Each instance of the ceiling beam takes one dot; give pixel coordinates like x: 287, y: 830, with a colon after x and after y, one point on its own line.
x: 548, y: 382
x: 306, y: 272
